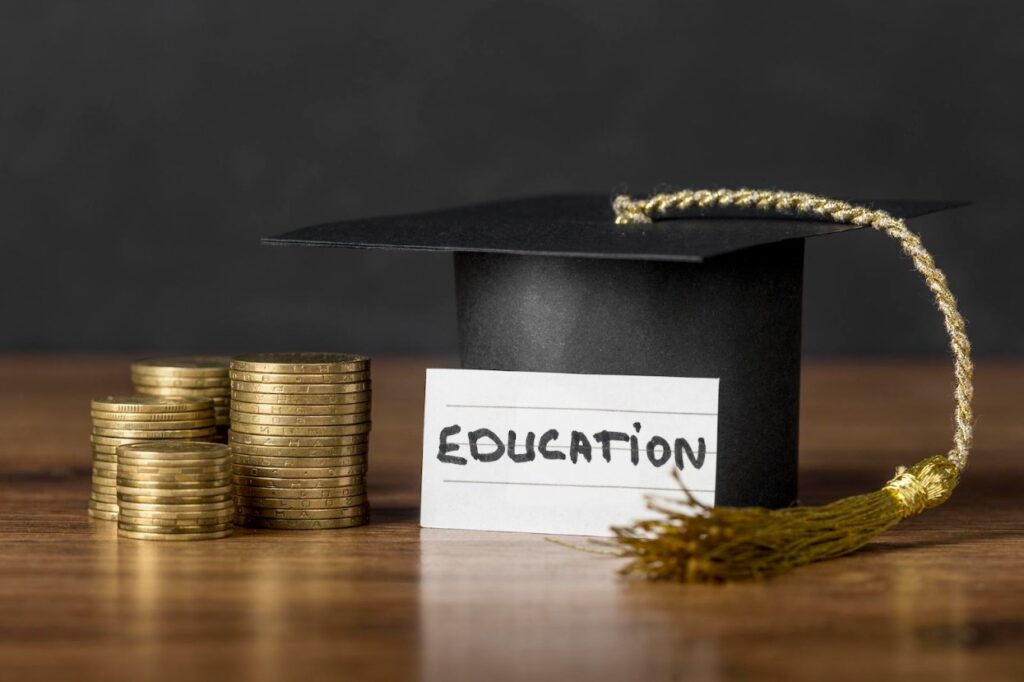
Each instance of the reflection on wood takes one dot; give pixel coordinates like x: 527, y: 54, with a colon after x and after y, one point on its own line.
x: 941, y: 597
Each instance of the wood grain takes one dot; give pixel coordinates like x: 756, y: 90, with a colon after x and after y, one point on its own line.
x: 941, y: 597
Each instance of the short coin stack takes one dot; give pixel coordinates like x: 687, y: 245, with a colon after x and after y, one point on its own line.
x: 300, y: 425
x: 117, y: 420
x: 197, y: 376
x: 174, y: 490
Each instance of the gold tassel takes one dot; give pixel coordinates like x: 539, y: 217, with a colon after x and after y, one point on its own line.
x: 722, y: 544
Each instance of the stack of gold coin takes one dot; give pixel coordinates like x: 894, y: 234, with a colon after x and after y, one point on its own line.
x: 117, y: 420
x: 188, y: 377
x: 174, y: 490
x: 300, y: 426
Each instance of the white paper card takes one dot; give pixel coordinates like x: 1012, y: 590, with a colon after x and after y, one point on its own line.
x: 492, y: 459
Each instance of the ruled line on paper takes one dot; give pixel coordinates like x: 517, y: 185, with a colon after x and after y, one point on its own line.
x: 597, y: 447
x: 580, y: 409
x: 572, y: 485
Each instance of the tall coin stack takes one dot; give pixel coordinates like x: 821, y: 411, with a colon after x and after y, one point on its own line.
x: 300, y: 426
x: 117, y: 420
x: 174, y: 490
x: 188, y: 377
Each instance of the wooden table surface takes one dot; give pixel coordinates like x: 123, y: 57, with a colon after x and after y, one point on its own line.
x: 941, y: 597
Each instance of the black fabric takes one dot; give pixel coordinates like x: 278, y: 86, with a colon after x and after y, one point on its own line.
x: 735, y: 318
x: 578, y: 225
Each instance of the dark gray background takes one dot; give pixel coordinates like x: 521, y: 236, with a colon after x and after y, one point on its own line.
x: 145, y: 147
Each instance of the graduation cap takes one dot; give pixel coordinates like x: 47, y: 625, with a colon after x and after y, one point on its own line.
x: 710, y: 289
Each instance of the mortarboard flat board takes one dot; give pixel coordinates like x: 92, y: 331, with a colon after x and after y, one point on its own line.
x: 553, y: 284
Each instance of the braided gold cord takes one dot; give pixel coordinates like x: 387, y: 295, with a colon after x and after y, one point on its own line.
x: 632, y: 211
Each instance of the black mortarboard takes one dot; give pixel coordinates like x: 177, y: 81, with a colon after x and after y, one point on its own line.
x: 553, y: 284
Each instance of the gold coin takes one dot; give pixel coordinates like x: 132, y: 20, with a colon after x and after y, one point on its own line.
x: 184, y: 365
x: 102, y: 515
x: 278, y: 451
x: 128, y: 525
x: 184, y: 508
x: 102, y: 506
x: 148, y: 404
x: 287, y: 483
x: 188, y: 383
x: 315, y: 494
x: 104, y: 489
x: 175, y: 466
x: 107, y: 441
x: 169, y: 483
x: 191, y: 458
x: 289, y: 378
x: 357, y: 509
x: 174, y: 450
x: 171, y: 475
x: 219, y: 392
x: 297, y: 441
x: 169, y: 525
x: 154, y: 434
x: 152, y: 426
x: 251, y: 460
x: 135, y: 535
x: 138, y: 524
x: 263, y: 408
x: 105, y: 451
x: 303, y: 524
x: 103, y: 497
x: 125, y: 497
x: 299, y: 472
x: 176, y: 494
x: 103, y: 441
x: 267, y: 502
x: 104, y: 466
x: 290, y: 420
x: 299, y: 389
x: 148, y: 472
x: 298, y: 399
x: 178, y: 512
x: 104, y: 458
x: 315, y: 431
x: 149, y: 416
x: 300, y: 363
x: 176, y: 518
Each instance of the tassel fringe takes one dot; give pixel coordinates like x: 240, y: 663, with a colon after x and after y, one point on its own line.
x: 724, y: 544
x: 721, y: 544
